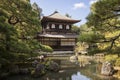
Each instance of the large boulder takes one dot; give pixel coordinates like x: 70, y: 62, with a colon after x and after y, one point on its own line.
x: 14, y: 69
x: 34, y: 63
x: 38, y: 71
x: 52, y: 66
x: 24, y: 71
x: 107, y: 69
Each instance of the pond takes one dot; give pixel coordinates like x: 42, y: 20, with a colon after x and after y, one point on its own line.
x: 90, y: 72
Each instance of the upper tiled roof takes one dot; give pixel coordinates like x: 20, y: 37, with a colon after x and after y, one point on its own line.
x: 57, y: 16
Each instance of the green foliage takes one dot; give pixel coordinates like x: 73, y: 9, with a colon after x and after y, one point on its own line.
x: 93, y: 51
x: 111, y: 58
x: 114, y: 59
x: 67, y: 15
x: 101, y: 11
x: 37, y: 9
x: 24, y: 64
x: 46, y: 48
x: 103, y: 20
x: 3, y: 61
x: 85, y: 29
x: 89, y: 37
x: 76, y: 29
x: 117, y: 63
x: 22, y: 57
x: 19, y: 24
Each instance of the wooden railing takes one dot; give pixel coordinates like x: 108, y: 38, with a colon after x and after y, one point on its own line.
x: 60, y: 32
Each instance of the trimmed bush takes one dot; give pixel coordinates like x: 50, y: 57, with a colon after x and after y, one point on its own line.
x: 117, y: 63
x: 46, y: 48
x: 111, y: 58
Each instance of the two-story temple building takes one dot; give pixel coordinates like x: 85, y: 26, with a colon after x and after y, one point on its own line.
x: 57, y: 33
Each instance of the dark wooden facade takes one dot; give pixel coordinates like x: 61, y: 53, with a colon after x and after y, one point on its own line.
x: 57, y: 33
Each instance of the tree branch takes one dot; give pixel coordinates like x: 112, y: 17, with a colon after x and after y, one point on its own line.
x: 113, y: 41
x: 111, y: 17
x: 13, y: 20
x: 113, y: 26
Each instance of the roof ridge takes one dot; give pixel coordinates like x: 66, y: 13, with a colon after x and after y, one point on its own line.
x: 57, y: 14
x: 54, y: 13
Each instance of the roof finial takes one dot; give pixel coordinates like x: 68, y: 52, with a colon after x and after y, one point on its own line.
x: 56, y: 11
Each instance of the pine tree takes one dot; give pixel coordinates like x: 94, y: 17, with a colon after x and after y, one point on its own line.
x: 19, y: 25
x: 105, y: 22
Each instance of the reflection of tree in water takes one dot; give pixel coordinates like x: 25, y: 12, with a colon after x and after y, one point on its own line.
x: 86, y: 73
x: 93, y: 72
x: 62, y: 75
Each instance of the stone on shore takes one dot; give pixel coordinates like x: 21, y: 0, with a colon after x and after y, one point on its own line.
x: 52, y: 66
x: 107, y: 69
x: 38, y: 71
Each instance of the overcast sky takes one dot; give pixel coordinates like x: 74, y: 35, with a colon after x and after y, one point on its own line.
x: 78, y: 9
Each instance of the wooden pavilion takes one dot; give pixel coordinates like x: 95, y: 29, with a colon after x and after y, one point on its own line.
x: 57, y: 33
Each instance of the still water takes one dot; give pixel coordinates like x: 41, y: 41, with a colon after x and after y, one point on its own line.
x: 90, y: 72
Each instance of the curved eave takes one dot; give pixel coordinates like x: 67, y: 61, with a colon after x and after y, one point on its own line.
x: 49, y: 19
x: 57, y: 36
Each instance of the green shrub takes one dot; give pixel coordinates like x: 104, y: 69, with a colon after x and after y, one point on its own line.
x: 22, y: 57
x: 111, y: 58
x: 46, y: 48
x: 4, y: 61
x: 117, y: 63
x: 24, y: 65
